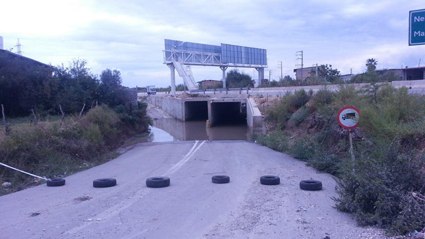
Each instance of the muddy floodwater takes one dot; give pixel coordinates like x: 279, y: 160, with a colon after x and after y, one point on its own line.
x: 169, y: 129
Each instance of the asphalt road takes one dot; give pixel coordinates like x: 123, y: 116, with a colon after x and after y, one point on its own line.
x: 191, y: 207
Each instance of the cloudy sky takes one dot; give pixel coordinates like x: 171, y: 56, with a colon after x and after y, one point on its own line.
x: 128, y: 35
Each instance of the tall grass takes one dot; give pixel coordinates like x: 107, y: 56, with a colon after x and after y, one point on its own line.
x: 385, y: 185
x: 54, y: 148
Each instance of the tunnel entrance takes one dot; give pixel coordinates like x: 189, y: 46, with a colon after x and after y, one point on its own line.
x: 228, y: 113
x: 196, y: 110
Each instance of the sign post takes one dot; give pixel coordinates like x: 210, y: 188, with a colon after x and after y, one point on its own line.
x: 348, y: 118
x: 417, y: 27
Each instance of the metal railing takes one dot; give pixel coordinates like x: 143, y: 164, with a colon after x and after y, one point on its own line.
x: 221, y: 90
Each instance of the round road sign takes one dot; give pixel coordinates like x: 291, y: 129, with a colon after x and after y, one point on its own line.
x: 348, y: 117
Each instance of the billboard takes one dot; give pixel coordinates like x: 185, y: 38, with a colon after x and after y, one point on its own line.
x: 243, y: 55
x: 225, y: 54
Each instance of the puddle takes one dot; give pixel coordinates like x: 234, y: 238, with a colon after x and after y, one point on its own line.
x: 165, y: 130
x: 159, y: 135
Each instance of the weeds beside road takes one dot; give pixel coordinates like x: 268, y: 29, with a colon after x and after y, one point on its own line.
x: 385, y: 184
x: 55, y: 149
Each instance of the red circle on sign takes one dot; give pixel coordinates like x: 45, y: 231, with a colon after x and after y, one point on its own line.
x: 339, y: 120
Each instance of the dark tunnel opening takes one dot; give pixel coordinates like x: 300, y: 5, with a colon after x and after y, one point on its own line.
x: 228, y: 113
x: 196, y: 110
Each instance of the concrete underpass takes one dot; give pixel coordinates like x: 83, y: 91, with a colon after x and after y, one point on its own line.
x: 196, y: 110
x: 218, y: 113
x: 218, y: 110
x: 228, y: 113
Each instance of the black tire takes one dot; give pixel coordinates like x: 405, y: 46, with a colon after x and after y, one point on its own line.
x: 220, y: 179
x: 270, y: 180
x: 104, y: 182
x: 311, y: 185
x: 157, y: 182
x: 55, y: 182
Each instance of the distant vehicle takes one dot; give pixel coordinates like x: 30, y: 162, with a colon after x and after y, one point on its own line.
x: 151, y: 90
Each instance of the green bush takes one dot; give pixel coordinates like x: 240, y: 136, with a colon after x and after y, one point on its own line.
x: 329, y: 163
x: 106, y: 119
x: 322, y: 98
x: 299, y: 99
x: 377, y: 189
x: 299, y: 116
x: 134, y: 117
x: 280, y: 114
x: 56, y: 148
x: 384, y: 186
x: 275, y: 140
x: 304, y: 149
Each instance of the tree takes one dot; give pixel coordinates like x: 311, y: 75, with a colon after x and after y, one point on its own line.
x: 235, y: 79
x: 110, y: 90
x: 371, y: 64
x: 326, y: 73
x: 77, y: 86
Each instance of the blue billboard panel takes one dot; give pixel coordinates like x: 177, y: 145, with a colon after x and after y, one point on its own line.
x: 243, y: 55
x: 190, y: 46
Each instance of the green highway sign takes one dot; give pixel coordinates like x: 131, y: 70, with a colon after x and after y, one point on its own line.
x: 417, y: 27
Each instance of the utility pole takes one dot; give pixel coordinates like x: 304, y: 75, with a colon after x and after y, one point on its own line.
x: 18, y: 47
x: 270, y: 76
x: 300, y: 55
x: 281, y: 69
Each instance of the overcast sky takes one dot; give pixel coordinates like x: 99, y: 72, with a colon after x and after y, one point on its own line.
x: 128, y: 35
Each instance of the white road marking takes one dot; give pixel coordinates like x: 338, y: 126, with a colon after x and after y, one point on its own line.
x: 186, y: 158
x: 113, y: 211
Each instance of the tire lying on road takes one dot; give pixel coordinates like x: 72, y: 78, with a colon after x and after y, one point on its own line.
x: 311, y: 185
x: 104, y: 182
x: 55, y: 182
x: 270, y: 180
x: 220, y: 179
x: 157, y: 182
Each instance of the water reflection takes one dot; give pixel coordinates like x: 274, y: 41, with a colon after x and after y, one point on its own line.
x: 159, y: 135
x: 196, y: 130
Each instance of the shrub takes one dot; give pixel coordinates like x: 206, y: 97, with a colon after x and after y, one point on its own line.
x: 106, y: 119
x: 299, y: 99
x: 49, y: 149
x: 323, y: 97
x: 280, y: 114
x: 134, y: 117
x: 275, y: 140
x: 385, y: 184
x: 377, y: 190
x: 304, y: 149
x: 299, y: 116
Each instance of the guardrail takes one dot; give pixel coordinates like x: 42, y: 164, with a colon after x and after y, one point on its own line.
x: 221, y: 90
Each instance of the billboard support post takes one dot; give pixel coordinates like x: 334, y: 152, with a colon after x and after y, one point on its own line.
x: 173, y: 79
x: 224, y: 68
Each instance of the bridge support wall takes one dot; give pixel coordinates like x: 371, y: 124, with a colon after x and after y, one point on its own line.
x: 254, y: 119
